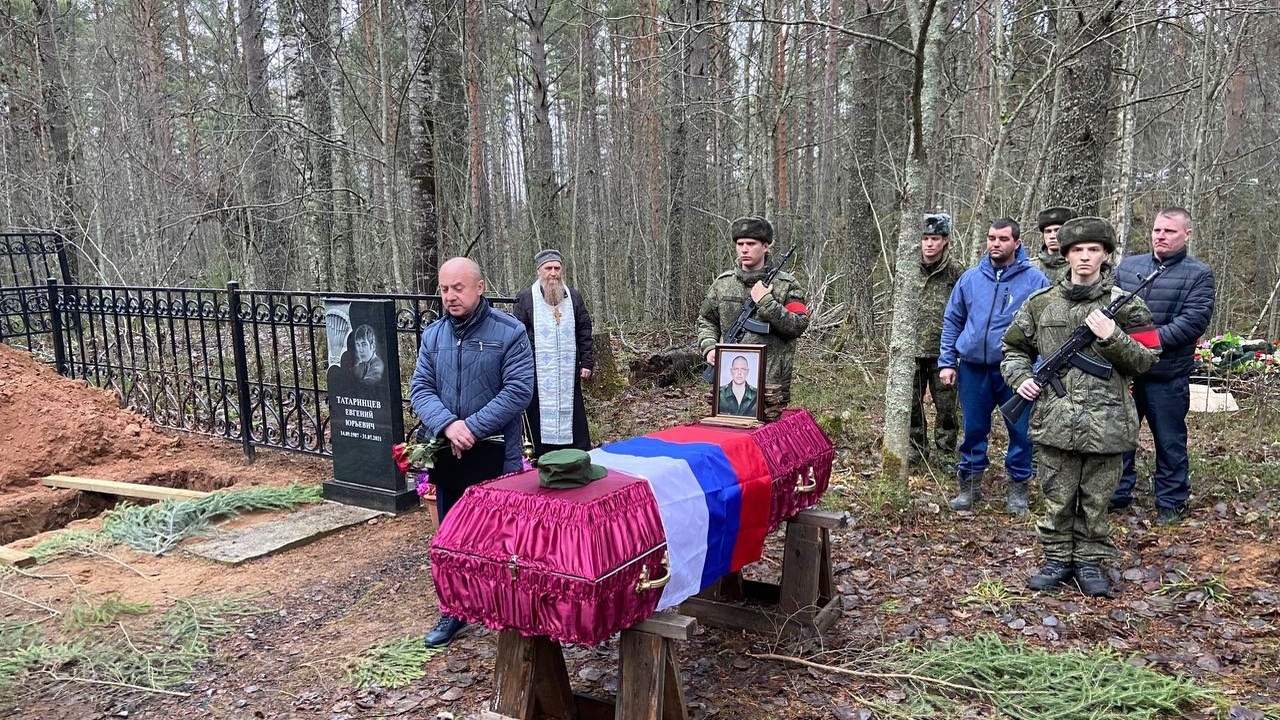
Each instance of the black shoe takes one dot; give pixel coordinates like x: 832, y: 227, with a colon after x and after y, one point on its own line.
x: 1170, y: 516
x: 1092, y: 581
x: 1016, y: 501
x: 445, y: 630
x: 1119, y: 504
x: 1053, y: 574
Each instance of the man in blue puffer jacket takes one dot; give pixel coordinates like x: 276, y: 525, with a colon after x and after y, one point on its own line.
x: 472, y: 382
x: 1181, y: 303
x: 981, y: 306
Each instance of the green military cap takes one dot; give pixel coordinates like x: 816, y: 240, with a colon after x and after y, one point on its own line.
x: 564, y: 469
x: 1086, y: 229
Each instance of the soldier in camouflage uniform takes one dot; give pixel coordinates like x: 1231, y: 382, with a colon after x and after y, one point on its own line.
x: 938, y: 272
x: 780, y: 305
x: 1080, y: 438
x: 1050, y: 260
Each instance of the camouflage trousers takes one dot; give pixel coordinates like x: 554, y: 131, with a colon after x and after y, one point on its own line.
x: 1076, y: 488
x: 944, y: 406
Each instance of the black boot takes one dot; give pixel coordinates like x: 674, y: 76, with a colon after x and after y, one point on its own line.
x: 1015, y: 499
x: 1092, y: 581
x: 1053, y: 574
x: 970, y: 492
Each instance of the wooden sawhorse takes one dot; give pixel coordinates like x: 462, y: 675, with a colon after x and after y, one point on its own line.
x: 531, y: 680
x: 803, y: 602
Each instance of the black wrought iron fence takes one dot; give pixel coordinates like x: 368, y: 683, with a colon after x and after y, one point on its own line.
x: 246, y: 365
x: 27, y: 260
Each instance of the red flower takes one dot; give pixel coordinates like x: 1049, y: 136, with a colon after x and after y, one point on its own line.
x: 401, y: 455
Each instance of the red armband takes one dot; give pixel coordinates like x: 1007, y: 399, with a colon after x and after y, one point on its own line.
x: 797, y: 307
x: 1148, y: 336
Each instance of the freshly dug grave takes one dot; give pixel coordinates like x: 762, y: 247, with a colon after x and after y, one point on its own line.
x: 52, y: 424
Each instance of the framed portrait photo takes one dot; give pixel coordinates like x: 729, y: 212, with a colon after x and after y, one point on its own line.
x: 739, y: 390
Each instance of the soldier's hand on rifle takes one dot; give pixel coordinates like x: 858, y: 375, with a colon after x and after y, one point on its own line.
x: 759, y: 290
x: 585, y: 373
x: 1029, y: 390
x: 947, y: 376
x: 1102, y: 326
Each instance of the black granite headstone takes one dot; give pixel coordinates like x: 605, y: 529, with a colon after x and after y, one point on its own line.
x: 365, y: 416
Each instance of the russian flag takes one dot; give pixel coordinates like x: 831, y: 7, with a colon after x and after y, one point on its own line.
x: 713, y: 491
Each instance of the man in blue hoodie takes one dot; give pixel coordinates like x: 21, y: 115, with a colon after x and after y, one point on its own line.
x: 981, y: 306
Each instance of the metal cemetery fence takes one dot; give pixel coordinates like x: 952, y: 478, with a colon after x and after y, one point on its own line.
x: 245, y: 365
x: 26, y: 261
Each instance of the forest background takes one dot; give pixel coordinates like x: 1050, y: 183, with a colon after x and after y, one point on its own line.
x: 350, y: 145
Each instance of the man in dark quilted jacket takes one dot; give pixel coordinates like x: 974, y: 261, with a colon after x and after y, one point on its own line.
x: 472, y: 381
x: 1181, y: 303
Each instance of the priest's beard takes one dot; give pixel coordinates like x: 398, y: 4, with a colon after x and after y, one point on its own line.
x: 553, y: 291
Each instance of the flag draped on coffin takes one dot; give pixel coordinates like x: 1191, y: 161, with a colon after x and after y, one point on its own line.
x: 713, y: 492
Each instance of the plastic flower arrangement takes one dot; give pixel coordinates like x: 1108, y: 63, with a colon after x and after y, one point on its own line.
x: 1231, y: 354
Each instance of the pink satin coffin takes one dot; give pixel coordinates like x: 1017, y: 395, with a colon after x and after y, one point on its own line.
x: 559, y: 563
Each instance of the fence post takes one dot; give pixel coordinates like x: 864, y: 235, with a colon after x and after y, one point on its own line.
x: 55, y: 325
x: 242, y: 368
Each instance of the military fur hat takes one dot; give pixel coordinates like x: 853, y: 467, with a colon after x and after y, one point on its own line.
x: 1054, y: 216
x: 1086, y: 229
x: 937, y: 224
x: 752, y: 226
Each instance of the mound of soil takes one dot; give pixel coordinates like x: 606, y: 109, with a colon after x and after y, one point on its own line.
x: 50, y: 424
x: 55, y: 424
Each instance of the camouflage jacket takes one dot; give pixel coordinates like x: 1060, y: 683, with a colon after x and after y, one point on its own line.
x: 939, y: 278
x: 1053, y: 265
x: 723, y: 304
x: 1095, y: 415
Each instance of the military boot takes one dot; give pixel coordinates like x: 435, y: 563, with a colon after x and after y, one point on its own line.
x: 1092, y: 580
x: 1053, y: 574
x: 970, y: 492
x: 1015, y: 499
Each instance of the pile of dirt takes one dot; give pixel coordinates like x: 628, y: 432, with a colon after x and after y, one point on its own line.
x: 50, y: 424
x: 56, y: 424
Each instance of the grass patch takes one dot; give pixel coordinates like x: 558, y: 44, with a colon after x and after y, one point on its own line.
x: 992, y: 593
x: 1025, y: 682
x: 391, y: 665
x: 1209, y: 591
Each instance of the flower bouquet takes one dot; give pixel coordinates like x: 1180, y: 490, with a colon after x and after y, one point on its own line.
x: 417, y: 459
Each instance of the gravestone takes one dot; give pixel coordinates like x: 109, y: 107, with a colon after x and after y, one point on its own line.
x: 365, y: 416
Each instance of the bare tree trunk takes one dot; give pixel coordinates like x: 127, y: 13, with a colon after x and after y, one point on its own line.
x: 423, y: 216
x: 544, y: 203
x: 264, y: 234
x: 478, y: 201
x: 689, y: 226
x: 907, y: 284
x: 1078, y: 151
x: 56, y: 116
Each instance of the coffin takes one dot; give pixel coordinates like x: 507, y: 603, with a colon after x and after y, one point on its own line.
x: 575, y: 565
x: 679, y: 509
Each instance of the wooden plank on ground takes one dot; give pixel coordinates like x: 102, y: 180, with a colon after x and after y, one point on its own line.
x: 16, y: 558
x: 124, y: 489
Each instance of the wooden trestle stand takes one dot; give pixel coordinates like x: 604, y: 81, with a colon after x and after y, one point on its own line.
x: 531, y: 679
x: 803, y: 602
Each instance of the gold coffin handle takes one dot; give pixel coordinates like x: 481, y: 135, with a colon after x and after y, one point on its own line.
x: 646, y: 584
x: 813, y: 480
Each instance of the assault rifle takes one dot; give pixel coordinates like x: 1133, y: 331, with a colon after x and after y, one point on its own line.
x: 1069, y: 355
x: 746, y: 319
